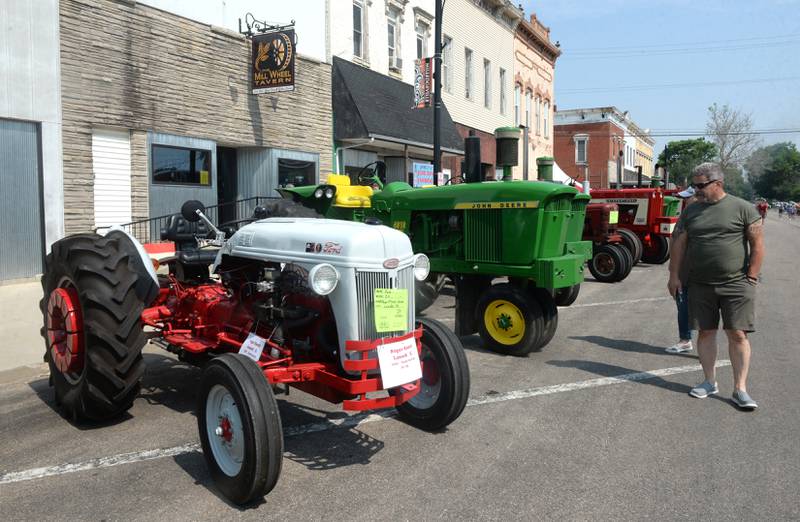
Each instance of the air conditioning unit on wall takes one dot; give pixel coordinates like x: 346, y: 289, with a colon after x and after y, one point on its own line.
x: 396, y: 64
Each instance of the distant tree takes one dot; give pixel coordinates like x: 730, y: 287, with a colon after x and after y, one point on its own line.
x: 732, y: 131
x: 680, y: 157
x: 736, y: 184
x: 780, y: 178
x: 761, y: 158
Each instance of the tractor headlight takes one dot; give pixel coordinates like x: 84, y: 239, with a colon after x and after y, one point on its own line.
x: 323, y: 279
x: 329, y: 192
x: 422, y: 267
x: 318, y: 193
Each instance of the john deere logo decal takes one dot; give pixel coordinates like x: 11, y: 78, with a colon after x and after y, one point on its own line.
x: 273, y: 62
x: 486, y: 205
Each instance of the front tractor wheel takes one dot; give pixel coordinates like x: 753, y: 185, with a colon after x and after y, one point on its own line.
x: 95, y: 289
x: 240, y: 428
x: 444, y: 387
x: 656, y: 251
x: 510, y: 320
x: 566, y: 296
x: 607, y: 264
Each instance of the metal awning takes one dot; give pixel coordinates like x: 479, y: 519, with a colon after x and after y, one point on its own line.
x: 369, y: 105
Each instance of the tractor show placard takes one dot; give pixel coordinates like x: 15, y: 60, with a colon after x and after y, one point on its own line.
x: 272, y: 62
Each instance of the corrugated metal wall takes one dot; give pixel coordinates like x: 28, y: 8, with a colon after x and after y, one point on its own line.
x: 167, y: 199
x: 21, y: 247
x: 258, y: 169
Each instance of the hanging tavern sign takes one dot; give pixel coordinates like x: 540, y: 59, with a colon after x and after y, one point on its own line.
x: 272, y: 61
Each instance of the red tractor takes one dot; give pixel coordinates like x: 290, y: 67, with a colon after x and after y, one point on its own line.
x: 648, y: 217
x: 323, y: 306
x: 611, y: 261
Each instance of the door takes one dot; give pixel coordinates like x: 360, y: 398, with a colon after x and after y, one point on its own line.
x: 111, y: 165
x: 21, y: 245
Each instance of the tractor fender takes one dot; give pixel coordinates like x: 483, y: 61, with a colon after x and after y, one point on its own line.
x: 144, y: 258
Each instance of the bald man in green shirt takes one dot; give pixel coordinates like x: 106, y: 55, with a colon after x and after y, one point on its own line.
x: 721, y: 238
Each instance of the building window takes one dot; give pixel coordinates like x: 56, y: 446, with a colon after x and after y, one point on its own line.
x: 502, y: 91
x: 487, y: 84
x: 181, y: 166
x: 422, y: 40
x: 296, y: 173
x: 538, y: 116
x: 468, y: 73
x: 517, y: 94
x: 581, y: 144
x: 358, y: 29
x: 447, y: 64
x: 528, y: 108
x: 547, y: 119
x: 393, y: 31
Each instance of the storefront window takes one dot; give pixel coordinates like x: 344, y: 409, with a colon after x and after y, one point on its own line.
x: 178, y: 165
x: 295, y: 173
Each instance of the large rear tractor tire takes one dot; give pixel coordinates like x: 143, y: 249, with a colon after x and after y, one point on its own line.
x: 240, y: 428
x: 445, y: 379
x: 566, y: 296
x: 632, y: 243
x: 510, y: 320
x: 656, y: 252
x: 95, y: 289
x: 607, y: 263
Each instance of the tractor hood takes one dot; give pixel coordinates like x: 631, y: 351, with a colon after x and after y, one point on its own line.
x: 313, y: 241
x: 504, y: 194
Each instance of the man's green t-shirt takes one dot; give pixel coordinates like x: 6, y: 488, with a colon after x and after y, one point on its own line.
x: 718, y: 251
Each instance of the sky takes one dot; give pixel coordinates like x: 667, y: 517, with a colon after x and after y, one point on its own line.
x: 626, y: 53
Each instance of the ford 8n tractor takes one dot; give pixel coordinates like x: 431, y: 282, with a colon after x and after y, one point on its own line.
x: 323, y: 306
x: 645, y: 213
x: 529, y: 232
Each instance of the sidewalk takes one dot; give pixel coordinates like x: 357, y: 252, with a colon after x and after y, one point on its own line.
x: 20, y: 322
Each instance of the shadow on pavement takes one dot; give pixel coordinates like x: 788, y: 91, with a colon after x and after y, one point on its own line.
x: 610, y: 370
x: 629, y: 346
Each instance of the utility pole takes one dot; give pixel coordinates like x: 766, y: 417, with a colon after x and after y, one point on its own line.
x: 437, y: 93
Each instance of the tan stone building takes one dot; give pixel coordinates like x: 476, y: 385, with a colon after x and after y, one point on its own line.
x: 157, y: 109
x: 534, y: 70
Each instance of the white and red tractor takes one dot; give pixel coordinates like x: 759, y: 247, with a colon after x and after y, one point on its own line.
x: 324, y: 306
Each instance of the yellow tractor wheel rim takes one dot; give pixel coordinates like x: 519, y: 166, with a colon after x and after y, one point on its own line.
x: 504, y: 322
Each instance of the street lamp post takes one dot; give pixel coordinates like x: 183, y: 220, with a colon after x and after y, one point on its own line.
x: 437, y: 93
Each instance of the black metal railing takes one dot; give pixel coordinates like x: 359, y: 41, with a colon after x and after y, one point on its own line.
x: 149, y: 230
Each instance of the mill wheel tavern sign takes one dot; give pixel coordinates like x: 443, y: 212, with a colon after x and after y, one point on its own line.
x: 273, y: 51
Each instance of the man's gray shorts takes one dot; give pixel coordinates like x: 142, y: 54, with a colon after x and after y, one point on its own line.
x: 735, y: 301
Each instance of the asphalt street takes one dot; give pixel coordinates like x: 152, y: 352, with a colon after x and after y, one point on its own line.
x: 598, y: 425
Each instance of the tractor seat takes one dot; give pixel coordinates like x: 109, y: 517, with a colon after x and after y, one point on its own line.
x: 347, y: 195
x: 183, y: 234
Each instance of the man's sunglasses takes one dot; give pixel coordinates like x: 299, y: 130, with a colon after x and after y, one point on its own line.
x: 703, y: 185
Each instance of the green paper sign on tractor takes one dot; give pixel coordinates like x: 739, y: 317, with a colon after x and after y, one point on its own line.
x: 475, y: 232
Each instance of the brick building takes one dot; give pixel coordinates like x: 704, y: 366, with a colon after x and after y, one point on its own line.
x: 147, y: 94
x: 596, y: 142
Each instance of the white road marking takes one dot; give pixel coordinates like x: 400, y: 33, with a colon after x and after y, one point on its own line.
x: 611, y: 303
x: 592, y: 383
x: 346, y: 422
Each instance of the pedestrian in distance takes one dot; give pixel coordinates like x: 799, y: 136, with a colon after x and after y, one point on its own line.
x: 721, y: 238
x: 684, y: 343
x: 762, y: 207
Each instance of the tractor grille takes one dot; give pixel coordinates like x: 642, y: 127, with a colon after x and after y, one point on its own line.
x: 483, y: 237
x: 579, y: 205
x: 559, y: 204
x: 366, y: 283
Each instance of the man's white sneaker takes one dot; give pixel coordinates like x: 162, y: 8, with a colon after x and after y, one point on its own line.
x: 680, y: 347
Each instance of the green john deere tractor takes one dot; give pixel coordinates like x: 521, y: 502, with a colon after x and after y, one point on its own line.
x: 526, y: 231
